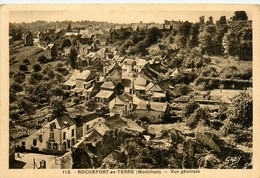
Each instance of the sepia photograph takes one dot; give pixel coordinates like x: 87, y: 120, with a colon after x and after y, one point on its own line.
x: 120, y: 88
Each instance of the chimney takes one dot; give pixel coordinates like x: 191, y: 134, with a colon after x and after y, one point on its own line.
x: 99, y: 122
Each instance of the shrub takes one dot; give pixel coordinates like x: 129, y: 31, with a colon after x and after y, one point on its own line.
x: 35, y: 77
x: 192, y: 122
x: 19, y: 77
x: 190, y: 108
x: 200, y: 115
x: 242, y: 110
x: 23, y: 68
x: 26, y: 62
x: 42, y: 59
x: 37, y: 67
x: 16, y: 87
x: 184, y: 89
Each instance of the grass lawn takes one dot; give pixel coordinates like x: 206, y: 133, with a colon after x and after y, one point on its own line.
x: 221, y: 62
x: 225, y: 95
x: 29, y: 52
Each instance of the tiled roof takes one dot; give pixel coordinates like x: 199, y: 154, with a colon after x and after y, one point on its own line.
x: 116, y: 109
x: 149, y: 86
x: 156, y: 106
x: 126, y: 82
x: 50, y: 46
x: 115, y: 122
x: 108, y: 85
x: 159, y: 95
x: 84, y: 75
x: 104, y: 94
x: 140, y: 81
x: 89, y: 117
x: 141, y: 62
x: 65, y: 121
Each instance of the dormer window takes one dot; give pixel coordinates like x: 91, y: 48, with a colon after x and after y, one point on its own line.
x: 52, y: 126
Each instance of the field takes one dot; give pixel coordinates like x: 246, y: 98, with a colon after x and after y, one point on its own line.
x: 29, y: 52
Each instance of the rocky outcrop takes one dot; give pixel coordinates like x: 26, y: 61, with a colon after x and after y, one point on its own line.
x: 171, y: 148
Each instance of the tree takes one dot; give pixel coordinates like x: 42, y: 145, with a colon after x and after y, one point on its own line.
x: 200, y: 115
x: 210, y: 21
x: 73, y: 55
x: 245, y: 46
x: 14, y: 116
x: 19, y: 77
x: 202, y: 20
x: 183, y: 34
x: 194, y: 35
x: 141, y: 48
x: 58, y: 107
x: 69, y: 28
x: 37, y: 68
x: 65, y: 43
x: 190, y: 108
x: 26, y: 106
x: 153, y: 35
x: 23, y: 68
x: 74, y: 42
x: 42, y: 59
x: 48, y: 71
x: 57, y: 91
x: 206, y: 39
x: 241, y: 111
x: 26, y: 62
x: 240, y: 15
x: 35, y: 78
x: 16, y: 87
x: 222, y: 20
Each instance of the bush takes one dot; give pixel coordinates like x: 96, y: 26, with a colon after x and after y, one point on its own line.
x: 26, y: 62
x: 200, y: 115
x: 37, y: 68
x: 190, y: 108
x: 242, y: 111
x: 35, y: 78
x: 192, y: 122
x: 184, y: 89
x: 16, y: 87
x: 14, y: 116
x: 23, y: 68
x: 42, y: 59
x: 19, y: 77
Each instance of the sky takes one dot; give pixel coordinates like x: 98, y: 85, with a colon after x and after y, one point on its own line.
x: 116, y: 16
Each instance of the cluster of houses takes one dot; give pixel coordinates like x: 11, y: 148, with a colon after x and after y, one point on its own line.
x: 123, y: 85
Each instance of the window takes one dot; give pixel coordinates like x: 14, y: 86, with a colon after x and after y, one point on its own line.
x: 48, y: 145
x: 87, y: 127
x: 73, y: 142
x: 53, y: 126
x: 55, y: 146
x: 64, y: 135
x: 40, y: 138
x: 64, y: 145
x: 68, y: 143
x: 34, y: 142
x: 52, y: 135
x: 23, y: 143
x: 72, y: 132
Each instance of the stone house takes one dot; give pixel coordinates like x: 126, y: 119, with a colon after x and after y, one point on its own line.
x: 56, y: 136
x: 52, y: 51
x: 28, y: 39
